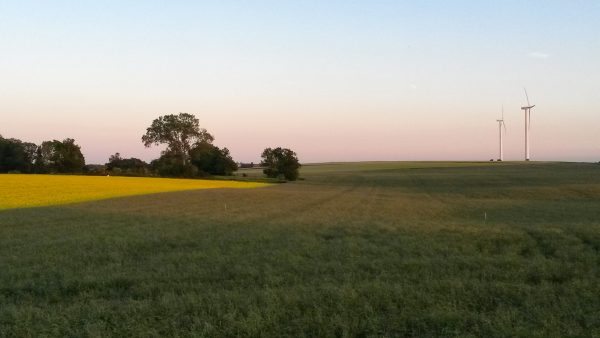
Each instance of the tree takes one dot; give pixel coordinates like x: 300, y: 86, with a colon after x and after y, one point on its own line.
x: 30, y: 153
x: 210, y: 159
x: 179, y: 132
x: 115, y: 158
x: 126, y: 166
x: 60, y: 156
x: 280, y: 162
x: 16, y: 155
x: 94, y: 169
x: 38, y: 164
x: 169, y: 164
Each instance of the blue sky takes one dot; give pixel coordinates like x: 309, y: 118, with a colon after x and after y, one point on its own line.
x: 333, y: 80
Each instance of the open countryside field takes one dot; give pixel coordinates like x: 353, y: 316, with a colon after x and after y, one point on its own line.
x: 355, y: 249
x: 19, y: 191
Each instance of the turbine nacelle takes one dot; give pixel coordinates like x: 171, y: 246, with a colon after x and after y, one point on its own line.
x: 527, y: 107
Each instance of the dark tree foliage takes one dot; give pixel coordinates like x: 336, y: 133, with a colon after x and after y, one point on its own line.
x: 94, y: 169
x: 61, y: 157
x: 179, y: 132
x: 38, y: 162
x: 247, y: 165
x: 16, y: 155
x: 30, y: 153
x: 170, y: 165
x: 126, y: 166
x: 280, y: 162
x: 189, y: 151
x: 212, y: 160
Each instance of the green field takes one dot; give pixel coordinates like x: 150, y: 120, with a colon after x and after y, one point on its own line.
x: 354, y: 249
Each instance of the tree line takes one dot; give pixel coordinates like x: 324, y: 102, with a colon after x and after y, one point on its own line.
x: 189, y: 152
x: 49, y: 157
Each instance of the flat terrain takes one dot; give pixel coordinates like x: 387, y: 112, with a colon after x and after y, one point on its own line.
x: 18, y: 191
x: 367, y: 249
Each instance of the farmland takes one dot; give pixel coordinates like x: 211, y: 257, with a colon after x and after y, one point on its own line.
x: 18, y: 191
x: 354, y: 249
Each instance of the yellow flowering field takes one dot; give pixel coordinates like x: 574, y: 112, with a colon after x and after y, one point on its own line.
x: 18, y: 191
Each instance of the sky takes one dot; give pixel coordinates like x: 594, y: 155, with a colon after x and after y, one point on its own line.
x: 332, y: 80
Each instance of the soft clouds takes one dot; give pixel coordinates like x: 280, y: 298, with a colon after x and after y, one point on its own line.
x: 538, y: 55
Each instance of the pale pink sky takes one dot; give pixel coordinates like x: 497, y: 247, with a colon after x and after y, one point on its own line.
x: 334, y: 82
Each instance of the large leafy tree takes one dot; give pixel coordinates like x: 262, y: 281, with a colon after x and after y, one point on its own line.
x: 280, y: 162
x: 179, y: 132
x: 61, y: 156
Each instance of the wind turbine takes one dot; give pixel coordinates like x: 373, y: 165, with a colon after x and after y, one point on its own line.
x: 527, y: 110
x: 501, y: 124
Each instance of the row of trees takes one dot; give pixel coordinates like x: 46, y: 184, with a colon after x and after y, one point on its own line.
x: 189, y: 152
x: 49, y: 157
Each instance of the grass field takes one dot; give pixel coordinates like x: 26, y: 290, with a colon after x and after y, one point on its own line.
x: 368, y: 249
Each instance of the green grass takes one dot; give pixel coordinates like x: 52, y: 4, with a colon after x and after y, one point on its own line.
x: 356, y: 249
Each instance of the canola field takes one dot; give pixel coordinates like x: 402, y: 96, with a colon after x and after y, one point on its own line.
x: 19, y: 191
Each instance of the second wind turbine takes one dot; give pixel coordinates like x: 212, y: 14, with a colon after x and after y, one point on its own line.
x: 501, y: 125
x: 527, y: 110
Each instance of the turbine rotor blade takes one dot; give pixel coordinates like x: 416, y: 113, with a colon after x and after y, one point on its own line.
x: 527, y: 96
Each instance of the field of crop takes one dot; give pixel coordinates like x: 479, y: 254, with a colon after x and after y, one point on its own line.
x: 368, y: 249
x: 18, y: 191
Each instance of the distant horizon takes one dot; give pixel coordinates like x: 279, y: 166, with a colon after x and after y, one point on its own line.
x: 149, y: 154
x: 333, y: 81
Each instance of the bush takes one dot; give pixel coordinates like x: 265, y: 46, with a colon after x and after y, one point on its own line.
x: 280, y: 163
x: 212, y: 160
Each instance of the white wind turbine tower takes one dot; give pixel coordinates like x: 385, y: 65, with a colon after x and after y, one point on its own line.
x: 501, y: 125
x: 527, y: 110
